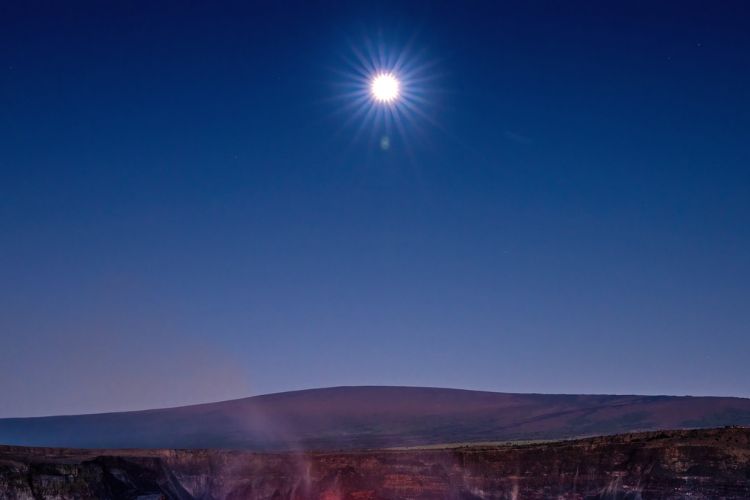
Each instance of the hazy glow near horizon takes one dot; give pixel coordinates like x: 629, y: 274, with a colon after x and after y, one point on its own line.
x: 385, y: 87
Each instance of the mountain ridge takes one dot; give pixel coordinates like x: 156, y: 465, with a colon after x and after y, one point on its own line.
x: 349, y: 417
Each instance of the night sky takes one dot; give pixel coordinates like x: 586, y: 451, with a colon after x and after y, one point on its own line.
x: 195, y: 205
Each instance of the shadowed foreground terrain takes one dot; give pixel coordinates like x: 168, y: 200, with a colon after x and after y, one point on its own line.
x: 709, y: 463
x: 375, y: 417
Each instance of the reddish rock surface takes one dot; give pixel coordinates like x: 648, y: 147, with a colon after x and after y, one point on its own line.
x: 710, y: 463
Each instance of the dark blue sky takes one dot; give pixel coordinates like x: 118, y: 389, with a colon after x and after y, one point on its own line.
x: 191, y: 210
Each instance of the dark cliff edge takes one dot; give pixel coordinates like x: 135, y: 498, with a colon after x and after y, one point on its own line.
x: 707, y: 463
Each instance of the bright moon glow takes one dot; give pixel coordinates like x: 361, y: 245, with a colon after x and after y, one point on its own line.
x: 385, y: 88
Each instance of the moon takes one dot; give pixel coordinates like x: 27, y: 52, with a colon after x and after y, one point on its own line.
x: 385, y: 88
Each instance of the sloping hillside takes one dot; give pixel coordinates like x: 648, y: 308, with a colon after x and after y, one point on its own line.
x: 373, y: 417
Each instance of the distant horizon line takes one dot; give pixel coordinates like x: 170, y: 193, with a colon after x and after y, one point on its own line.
x: 367, y: 386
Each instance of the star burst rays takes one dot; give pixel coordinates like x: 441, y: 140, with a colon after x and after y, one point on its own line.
x: 386, y: 91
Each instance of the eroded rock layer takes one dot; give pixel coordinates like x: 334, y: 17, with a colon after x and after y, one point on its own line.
x: 712, y: 463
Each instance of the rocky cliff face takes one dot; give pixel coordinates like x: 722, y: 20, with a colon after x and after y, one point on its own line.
x: 712, y: 463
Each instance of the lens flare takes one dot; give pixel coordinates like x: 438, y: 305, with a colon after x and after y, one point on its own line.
x: 388, y: 91
x: 385, y: 88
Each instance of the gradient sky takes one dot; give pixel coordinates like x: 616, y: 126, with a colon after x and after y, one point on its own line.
x: 190, y: 209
